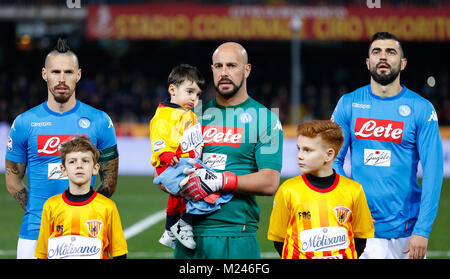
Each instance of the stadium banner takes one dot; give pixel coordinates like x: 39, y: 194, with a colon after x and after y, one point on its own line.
x: 220, y: 22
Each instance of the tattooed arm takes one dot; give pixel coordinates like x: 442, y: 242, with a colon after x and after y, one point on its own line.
x: 14, y: 173
x: 108, y: 177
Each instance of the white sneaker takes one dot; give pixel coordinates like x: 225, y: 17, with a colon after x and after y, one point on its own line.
x: 183, y: 232
x: 168, y: 239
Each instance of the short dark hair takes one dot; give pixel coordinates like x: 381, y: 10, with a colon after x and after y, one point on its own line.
x: 386, y: 36
x: 184, y: 72
x: 78, y: 143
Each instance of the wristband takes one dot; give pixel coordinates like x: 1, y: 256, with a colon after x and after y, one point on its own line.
x: 229, y: 181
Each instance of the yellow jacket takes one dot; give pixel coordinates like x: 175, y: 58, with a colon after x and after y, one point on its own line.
x: 175, y: 129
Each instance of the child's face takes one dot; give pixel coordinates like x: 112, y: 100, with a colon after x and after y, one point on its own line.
x: 79, y: 167
x: 186, y: 94
x: 313, y: 156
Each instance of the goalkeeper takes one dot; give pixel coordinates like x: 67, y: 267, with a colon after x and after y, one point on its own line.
x: 243, y: 146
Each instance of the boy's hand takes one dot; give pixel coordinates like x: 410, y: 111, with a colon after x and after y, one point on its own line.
x: 169, y: 158
x: 174, y: 161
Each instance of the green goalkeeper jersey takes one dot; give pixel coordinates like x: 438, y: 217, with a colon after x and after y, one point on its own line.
x: 241, y: 139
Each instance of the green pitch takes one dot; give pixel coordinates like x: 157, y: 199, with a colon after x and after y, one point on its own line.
x: 137, y: 198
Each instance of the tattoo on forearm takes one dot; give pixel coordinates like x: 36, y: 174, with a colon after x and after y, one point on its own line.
x: 108, y: 176
x: 14, y: 168
x: 21, y: 197
x: 15, y: 173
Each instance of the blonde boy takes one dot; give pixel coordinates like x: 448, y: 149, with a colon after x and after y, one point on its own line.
x: 80, y: 223
x: 320, y: 214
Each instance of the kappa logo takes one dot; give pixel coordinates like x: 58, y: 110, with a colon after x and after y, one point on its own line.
x: 94, y: 227
x: 433, y: 116
x: 41, y: 124
x: 110, y: 123
x: 278, y: 126
x: 342, y: 214
x: 361, y: 106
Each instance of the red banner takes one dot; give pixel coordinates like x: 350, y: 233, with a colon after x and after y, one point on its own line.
x: 219, y: 22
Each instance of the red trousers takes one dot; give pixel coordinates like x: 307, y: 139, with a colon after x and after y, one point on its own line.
x: 176, y: 205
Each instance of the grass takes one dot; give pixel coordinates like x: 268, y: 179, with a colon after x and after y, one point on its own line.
x: 136, y: 198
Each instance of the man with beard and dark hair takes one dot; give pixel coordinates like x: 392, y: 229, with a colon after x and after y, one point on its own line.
x: 381, y: 69
x: 389, y: 129
x: 243, y: 147
x: 35, y: 136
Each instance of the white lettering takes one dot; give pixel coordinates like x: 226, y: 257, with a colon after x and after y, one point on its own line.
x: 51, y: 146
x: 74, y: 247
x: 324, y: 239
x: 368, y: 126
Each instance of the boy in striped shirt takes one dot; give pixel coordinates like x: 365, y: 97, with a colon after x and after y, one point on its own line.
x: 320, y: 214
x: 80, y: 223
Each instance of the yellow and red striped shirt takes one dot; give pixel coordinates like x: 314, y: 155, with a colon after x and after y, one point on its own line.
x: 94, y: 220
x: 177, y: 130
x: 320, y: 223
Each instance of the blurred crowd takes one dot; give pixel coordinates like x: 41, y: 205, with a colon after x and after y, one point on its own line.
x: 134, y: 97
x: 128, y: 79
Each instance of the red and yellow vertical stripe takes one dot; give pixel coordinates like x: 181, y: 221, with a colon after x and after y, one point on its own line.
x: 308, y: 207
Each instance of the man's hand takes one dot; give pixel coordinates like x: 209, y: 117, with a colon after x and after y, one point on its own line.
x: 417, y: 247
x: 203, y: 182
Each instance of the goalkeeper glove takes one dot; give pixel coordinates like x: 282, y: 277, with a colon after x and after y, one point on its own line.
x: 203, y: 182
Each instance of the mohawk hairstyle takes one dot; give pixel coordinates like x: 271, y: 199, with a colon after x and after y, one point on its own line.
x: 62, y: 46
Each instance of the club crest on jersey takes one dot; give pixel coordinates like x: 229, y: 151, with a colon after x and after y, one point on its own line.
x: 342, y: 214
x: 245, y: 118
x: 84, y: 122
x: 94, y: 227
x: 60, y: 229
x: 404, y: 110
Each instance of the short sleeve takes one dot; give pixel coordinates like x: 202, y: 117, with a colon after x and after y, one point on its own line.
x: 279, y: 218
x: 118, y: 241
x: 17, y: 145
x: 269, y: 149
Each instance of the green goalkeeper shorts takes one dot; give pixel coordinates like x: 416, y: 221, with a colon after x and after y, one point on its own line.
x: 220, y: 247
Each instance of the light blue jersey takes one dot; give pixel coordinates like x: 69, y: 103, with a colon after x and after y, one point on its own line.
x: 387, y: 138
x: 34, y: 139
